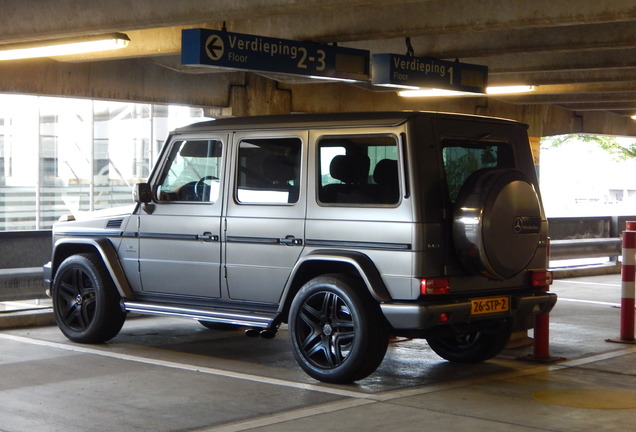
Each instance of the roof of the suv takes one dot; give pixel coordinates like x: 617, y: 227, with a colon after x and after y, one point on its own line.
x: 388, y: 118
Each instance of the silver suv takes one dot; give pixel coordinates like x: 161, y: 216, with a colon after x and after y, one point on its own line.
x: 349, y: 228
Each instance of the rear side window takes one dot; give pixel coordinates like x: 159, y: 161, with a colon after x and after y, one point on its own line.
x: 358, y: 169
x: 268, y: 171
x: 463, y: 158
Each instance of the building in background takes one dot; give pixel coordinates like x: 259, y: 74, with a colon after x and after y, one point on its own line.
x: 61, y: 155
x: 581, y: 179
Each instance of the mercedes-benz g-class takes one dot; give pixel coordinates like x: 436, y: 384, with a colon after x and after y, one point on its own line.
x: 349, y: 228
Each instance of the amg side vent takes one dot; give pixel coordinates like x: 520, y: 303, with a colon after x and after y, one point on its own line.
x: 114, y: 223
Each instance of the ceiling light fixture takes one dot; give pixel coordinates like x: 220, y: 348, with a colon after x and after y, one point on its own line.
x: 59, y: 47
x: 433, y: 92
x: 496, y: 90
x: 398, y: 86
x: 325, y: 78
x: 634, y: 117
x: 510, y: 89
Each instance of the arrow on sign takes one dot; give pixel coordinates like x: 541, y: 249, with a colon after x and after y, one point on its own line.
x: 215, y: 47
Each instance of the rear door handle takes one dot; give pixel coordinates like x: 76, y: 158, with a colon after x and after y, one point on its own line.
x: 290, y: 240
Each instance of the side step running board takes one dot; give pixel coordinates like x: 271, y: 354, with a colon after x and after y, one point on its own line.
x: 236, y: 318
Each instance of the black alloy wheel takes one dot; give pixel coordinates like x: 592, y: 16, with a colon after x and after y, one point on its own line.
x: 337, y: 331
x: 472, y: 346
x: 85, y: 300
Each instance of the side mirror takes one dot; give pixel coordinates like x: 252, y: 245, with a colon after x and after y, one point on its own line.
x: 142, y: 193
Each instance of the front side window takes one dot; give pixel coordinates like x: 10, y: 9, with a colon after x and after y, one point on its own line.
x: 268, y: 171
x: 463, y: 158
x: 192, y: 173
x: 358, y: 169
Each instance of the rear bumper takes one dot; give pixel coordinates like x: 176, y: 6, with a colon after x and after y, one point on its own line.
x: 416, y: 316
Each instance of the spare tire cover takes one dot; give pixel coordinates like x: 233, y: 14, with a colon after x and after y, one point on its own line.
x: 497, y: 222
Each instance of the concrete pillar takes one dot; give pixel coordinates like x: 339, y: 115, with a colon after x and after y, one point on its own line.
x: 259, y: 96
x: 535, y: 146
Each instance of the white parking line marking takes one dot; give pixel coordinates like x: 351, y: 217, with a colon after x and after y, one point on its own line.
x: 356, y: 398
x: 599, y: 357
x: 416, y: 391
x: 188, y: 367
x: 560, y: 281
x: 289, y: 416
x: 590, y: 302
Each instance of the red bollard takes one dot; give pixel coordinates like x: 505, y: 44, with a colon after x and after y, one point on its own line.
x: 628, y: 277
x: 541, y: 348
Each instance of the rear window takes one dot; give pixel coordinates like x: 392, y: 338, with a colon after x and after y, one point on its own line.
x: 463, y: 157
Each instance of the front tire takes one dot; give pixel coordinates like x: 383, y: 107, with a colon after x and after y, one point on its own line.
x: 85, y: 300
x: 337, y: 330
x: 472, y: 346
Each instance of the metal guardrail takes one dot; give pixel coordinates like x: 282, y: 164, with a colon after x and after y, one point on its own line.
x: 19, y: 204
x: 585, y: 248
x: 21, y: 284
x: 587, y: 237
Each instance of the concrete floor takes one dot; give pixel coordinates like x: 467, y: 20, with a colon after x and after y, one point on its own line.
x: 164, y: 374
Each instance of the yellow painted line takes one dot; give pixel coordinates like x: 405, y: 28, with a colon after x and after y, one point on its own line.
x: 587, y: 398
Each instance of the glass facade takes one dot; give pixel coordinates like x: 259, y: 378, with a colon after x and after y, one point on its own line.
x: 61, y: 155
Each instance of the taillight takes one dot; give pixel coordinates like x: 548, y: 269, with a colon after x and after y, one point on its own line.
x: 435, y: 286
x: 541, y: 278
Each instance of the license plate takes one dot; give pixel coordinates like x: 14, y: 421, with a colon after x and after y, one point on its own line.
x: 489, y: 305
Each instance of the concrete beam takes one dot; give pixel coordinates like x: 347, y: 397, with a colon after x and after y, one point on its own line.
x: 35, y: 19
x: 350, y: 22
x: 544, y: 120
x: 320, y: 20
x: 605, y: 36
x: 624, y: 77
x: 436, y: 42
x: 592, y: 88
x: 580, y: 60
x: 126, y: 80
x: 628, y: 107
x: 573, y: 94
x: 144, y: 80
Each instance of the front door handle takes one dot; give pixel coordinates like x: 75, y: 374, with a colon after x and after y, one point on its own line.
x: 290, y: 240
x: 207, y: 237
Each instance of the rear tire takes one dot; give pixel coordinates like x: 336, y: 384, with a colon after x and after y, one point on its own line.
x: 85, y: 300
x: 472, y: 346
x: 338, y: 333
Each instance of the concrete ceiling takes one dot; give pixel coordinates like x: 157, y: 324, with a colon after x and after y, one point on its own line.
x: 580, y: 53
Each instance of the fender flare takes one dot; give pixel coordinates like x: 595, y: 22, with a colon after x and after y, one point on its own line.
x: 108, y: 255
x: 362, y: 263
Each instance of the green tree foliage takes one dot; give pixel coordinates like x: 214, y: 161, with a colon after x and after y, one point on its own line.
x: 618, y: 150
